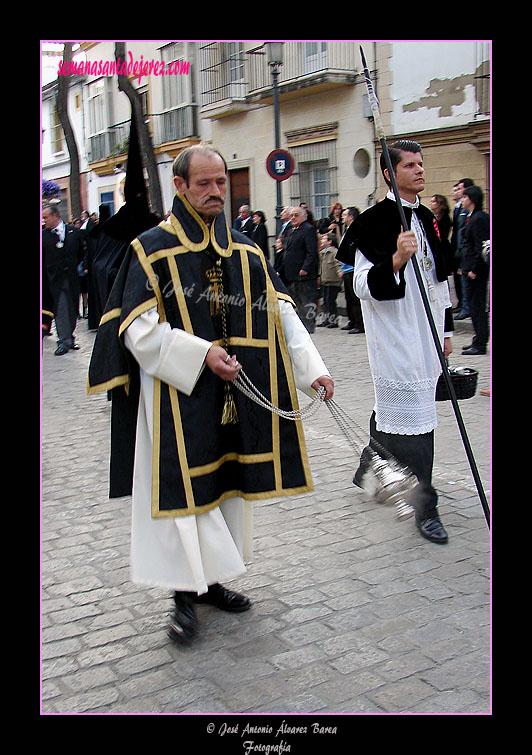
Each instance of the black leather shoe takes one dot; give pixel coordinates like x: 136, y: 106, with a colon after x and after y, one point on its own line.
x: 364, y: 467
x: 60, y: 351
x: 228, y: 600
x: 184, y: 623
x: 473, y: 351
x: 433, y: 530
x: 354, y: 331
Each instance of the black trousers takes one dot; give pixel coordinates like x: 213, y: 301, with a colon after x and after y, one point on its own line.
x: 476, y: 295
x: 330, y: 294
x: 417, y: 453
x: 305, y: 295
x: 352, y: 303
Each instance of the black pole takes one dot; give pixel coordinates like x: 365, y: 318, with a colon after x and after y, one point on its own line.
x: 426, y: 304
x: 278, y: 208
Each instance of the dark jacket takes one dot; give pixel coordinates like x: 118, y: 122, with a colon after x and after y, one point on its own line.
x: 61, y: 264
x: 246, y: 227
x: 301, y: 253
x: 459, y: 219
x: 476, y: 230
x: 260, y: 237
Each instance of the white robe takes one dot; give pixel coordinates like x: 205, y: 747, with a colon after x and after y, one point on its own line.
x: 192, y: 552
x: 403, y: 359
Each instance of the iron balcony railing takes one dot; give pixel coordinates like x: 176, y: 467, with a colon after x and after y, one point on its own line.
x: 172, y: 125
x: 113, y: 141
x: 304, y: 61
x: 230, y: 72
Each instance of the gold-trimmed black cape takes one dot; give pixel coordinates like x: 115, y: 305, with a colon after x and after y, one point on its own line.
x: 197, y: 462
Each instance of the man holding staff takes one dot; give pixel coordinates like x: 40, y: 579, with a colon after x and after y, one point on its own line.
x: 402, y: 355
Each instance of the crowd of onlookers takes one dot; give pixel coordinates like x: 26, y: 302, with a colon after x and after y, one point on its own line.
x: 304, y: 256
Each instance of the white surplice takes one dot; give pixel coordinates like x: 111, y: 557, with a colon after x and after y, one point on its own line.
x: 191, y: 552
x: 403, y: 359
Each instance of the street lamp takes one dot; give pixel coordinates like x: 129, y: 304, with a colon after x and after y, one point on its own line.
x: 274, y: 53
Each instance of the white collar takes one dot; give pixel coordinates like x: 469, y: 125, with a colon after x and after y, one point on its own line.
x: 404, y: 202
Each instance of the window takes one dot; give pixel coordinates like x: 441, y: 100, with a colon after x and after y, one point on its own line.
x: 178, y: 119
x: 314, y: 184
x: 97, y: 119
x: 173, y: 86
x: 223, y: 71
x: 108, y: 198
x: 56, y: 131
x: 314, y: 180
x: 235, y: 70
x: 314, y: 56
x: 98, y: 137
x: 361, y: 163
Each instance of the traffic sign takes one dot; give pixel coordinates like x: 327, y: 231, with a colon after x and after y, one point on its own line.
x: 280, y: 164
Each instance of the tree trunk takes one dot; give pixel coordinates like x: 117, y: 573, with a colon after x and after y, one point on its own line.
x: 146, y: 147
x: 64, y: 119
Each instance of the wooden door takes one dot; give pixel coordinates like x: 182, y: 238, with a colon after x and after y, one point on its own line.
x: 239, y: 188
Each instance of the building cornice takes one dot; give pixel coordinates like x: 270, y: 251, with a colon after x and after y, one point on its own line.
x: 477, y: 133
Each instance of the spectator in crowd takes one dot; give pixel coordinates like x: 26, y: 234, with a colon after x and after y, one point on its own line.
x: 475, y: 267
x: 301, y: 266
x: 330, y: 279
x: 259, y: 232
x: 355, y: 321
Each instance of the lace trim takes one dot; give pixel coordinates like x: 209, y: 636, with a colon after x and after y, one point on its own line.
x: 405, y: 408
x: 418, y: 385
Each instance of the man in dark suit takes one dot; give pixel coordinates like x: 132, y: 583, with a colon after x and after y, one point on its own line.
x: 475, y: 268
x: 459, y: 219
x: 301, y: 266
x: 62, y: 251
x: 246, y: 221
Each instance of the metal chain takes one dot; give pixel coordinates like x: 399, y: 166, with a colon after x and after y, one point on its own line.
x: 347, y: 425
x: 244, y: 384
x: 355, y: 435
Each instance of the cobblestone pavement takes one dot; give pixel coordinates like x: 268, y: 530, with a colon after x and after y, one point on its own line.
x: 353, y: 611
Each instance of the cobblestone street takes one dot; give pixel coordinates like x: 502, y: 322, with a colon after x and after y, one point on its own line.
x: 353, y: 611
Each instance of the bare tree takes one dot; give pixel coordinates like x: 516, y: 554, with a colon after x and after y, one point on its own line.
x: 64, y: 119
x: 146, y: 147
